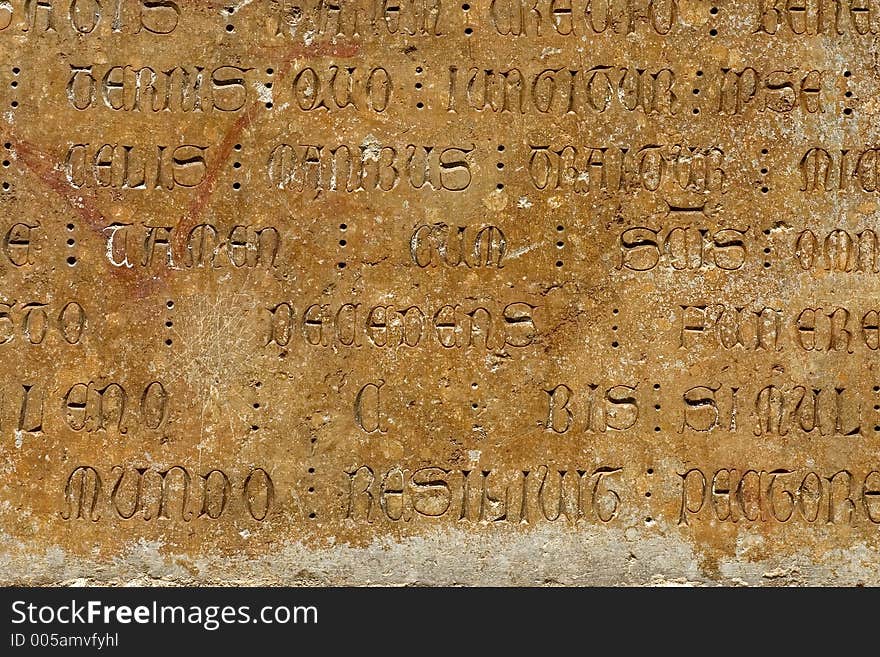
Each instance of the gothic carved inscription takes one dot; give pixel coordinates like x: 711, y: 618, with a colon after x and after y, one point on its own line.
x: 435, y: 292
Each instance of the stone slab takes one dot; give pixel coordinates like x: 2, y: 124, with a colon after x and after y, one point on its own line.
x: 492, y: 292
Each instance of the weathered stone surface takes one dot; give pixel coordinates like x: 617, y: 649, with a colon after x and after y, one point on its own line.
x: 496, y: 292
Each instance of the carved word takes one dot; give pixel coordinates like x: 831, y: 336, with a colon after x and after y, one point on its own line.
x: 354, y: 18
x: 90, y: 407
x: 838, y: 250
x: 780, y: 91
x: 487, y: 496
x: 437, y: 244
x: 142, y: 245
x: 17, y: 242
x: 844, y: 170
x: 574, y: 17
x: 597, y: 169
x: 174, y: 493
x: 613, y: 408
x: 562, y: 90
x: 84, y: 17
x: 369, y: 167
x: 775, y: 410
x: 682, y: 248
x: 819, y: 328
x: 32, y: 322
x: 341, y: 87
x: 368, y: 408
x: 810, y: 17
x: 451, y: 326
x: 780, y: 495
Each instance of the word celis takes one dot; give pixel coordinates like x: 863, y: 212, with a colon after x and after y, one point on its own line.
x: 122, y: 166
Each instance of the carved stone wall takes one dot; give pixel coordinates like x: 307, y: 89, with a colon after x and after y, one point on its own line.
x: 486, y: 292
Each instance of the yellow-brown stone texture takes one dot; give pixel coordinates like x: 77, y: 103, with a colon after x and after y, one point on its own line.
x: 432, y: 292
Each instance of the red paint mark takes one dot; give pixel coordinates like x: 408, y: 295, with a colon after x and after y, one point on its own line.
x: 200, y: 203
x: 139, y: 284
x: 206, y: 189
x: 197, y: 206
x: 142, y: 282
x: 38, y: 163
